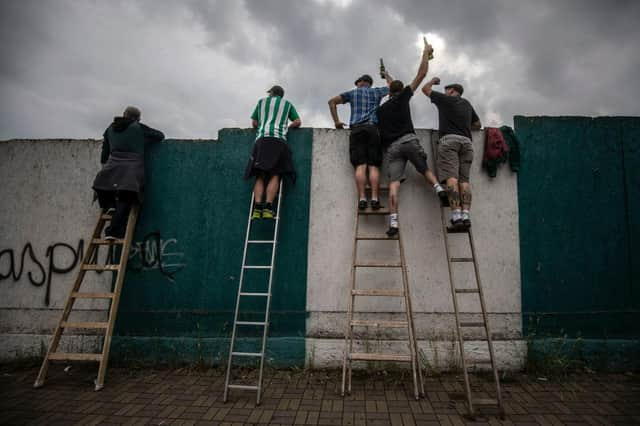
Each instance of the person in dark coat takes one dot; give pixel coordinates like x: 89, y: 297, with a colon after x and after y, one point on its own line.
x: 120, y: 183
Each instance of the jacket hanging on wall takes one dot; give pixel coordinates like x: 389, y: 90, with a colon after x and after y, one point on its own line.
x: 514, y: 147
x: 495, y: 150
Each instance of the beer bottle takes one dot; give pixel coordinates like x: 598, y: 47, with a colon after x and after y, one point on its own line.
x: 382, y: 69
x: 425, y: 45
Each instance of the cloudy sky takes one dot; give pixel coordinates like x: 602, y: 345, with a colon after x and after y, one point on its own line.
x: 194, y: 67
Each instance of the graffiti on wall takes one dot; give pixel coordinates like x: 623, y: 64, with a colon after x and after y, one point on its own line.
x: 153, y: 252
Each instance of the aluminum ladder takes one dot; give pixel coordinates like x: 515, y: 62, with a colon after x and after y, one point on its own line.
x: 349, y: 354
x: 242, y: 294
x: 89, y: 264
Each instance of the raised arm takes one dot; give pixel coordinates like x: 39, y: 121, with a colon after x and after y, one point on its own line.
x: 333, y: 109
x: 388, y: 78
x: 422, y: 69
x: 426, y: 89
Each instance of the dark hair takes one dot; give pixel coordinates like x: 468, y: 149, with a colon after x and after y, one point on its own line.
x: 276, y: 91
x: 396, y: 87
x: 131, y: 113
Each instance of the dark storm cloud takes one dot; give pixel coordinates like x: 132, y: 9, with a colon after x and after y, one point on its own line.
x: 197, y: 66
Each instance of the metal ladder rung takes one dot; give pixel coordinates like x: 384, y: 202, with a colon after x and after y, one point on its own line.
x: 377, y: 292
x: 378, y: 265
x: 97, y: 325
x: 254, y: 294
x: 253, y: 354
x: 102, y: 241
x: 246, y: 387
x: 78, y: 295
x: 92, y: 267
x: 461, y: 259
x: 257, y: 267
x: 471, y: 324
x: 467, y: 290
x: 374, y: 323
x: 260, y: 241
x: 261, y: 323
x: 62, y: 356
x: 376, y: 238
x: 355, y: 356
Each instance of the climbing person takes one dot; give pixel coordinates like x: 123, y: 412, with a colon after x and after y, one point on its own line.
x: 455, y: 149
x: 120, y: 182
x: 271, y: 156
x: 400, y: 140
x: 365, y: 151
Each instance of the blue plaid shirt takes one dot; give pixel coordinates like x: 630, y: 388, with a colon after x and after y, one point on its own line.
x: 364, y: 101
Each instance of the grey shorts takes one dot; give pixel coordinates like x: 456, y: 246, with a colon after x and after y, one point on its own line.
x: 401, y: 151
x: 455, y: 155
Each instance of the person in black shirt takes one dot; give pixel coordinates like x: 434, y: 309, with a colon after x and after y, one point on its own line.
x: 455, y: 149
x: 397, y: 133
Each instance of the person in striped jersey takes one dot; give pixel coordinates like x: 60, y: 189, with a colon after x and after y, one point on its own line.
x: 271, y: 156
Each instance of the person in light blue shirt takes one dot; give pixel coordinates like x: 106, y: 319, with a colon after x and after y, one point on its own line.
x: 365, y: 150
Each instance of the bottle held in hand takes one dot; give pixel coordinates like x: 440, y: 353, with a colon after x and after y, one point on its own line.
x: 382, y: 70
x: 425, y: 45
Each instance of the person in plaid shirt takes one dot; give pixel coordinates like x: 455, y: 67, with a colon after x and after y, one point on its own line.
x: 365, y: 150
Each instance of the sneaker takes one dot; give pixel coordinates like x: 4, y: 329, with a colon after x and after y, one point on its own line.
x: 257, y: 214
x: 392, y: 232
x: 375, y: 205
x: 362, y: 204
x: 442, y: 195
x: 267, y: 214
x: 458, y: 223
x: 466, y: 220
x: 110, y: 238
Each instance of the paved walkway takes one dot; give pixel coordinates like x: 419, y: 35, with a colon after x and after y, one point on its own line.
x: 190, y: 397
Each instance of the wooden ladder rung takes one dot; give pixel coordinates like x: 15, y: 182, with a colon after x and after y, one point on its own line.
x: 92, y: 267
x: 105, y: 216
x: 376, y: 237
x: 102, y: 241
x: 478, y: 361
x: 371, y: 212
x: 485, y: 401
x: 471, y: 324
x: 79, y: 295
x: 375, y: 323
x: 379, y: 357
x: 68, y: 324
x: 467, y: 290
x: 377, y: 292
x: 378, y: 265
x: 461, y: 259
x: 61, y: 356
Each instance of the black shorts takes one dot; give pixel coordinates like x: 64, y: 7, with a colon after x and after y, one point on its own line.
x: 270, y: 157
x: 364, y: 146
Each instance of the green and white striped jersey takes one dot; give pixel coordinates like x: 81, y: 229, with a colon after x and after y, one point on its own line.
x: 272, y: 113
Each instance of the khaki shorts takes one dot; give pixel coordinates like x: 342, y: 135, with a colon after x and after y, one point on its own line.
x: 455, y: 155
x: 399, y: 153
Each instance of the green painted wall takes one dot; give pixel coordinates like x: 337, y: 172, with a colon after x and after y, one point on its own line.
x: 578, y: 191
x: 194, y: 219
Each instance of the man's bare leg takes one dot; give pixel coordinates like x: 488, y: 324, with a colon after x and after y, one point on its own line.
x: 258, y: 190
x: 394, y: 191
x: 453, y: 193
x: 465, y: 199
x: 361, y: 180
x: 374, y: 180
x: 272, y: 188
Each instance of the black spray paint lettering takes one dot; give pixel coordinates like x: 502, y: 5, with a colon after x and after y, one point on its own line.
x: 152, y: 253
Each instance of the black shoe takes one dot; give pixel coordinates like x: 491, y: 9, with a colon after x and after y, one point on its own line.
x: 466, y: 223
x: 362, y: 205
x: 375, y: 205
x: 457, y: 223
x: 392, y: 232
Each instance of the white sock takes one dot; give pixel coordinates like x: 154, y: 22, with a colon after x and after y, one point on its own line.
x: 437, y: 187
x: 393, y: 220
x: 465, y: 215
x: 456, y: 215
x: 363, y: 199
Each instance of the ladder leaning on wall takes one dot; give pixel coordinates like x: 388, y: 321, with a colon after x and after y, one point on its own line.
x: 88, y: 264
x: 244, y: 295
x: 403, y: 293
x: 469, y: 363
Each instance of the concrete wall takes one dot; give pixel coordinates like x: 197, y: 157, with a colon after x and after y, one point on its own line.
x: 495, y: 224
x: 47, y: 213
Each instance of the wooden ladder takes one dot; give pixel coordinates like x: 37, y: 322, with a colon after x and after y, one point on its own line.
x: 244, y: 295
x: 114, y: 296
x: 349, y: 354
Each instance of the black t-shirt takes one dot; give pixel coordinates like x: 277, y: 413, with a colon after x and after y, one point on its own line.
x: 394, y: 117
x: 455, y: 114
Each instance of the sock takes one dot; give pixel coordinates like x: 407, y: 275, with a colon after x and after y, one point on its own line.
x: 393, y: 220
x: 465, y: 214
x: 268, y: 206
x: 374, y: 199
x: 438, y: 187
x: 456, y: 215
x: 363, y: 199
x: 259, y: 206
